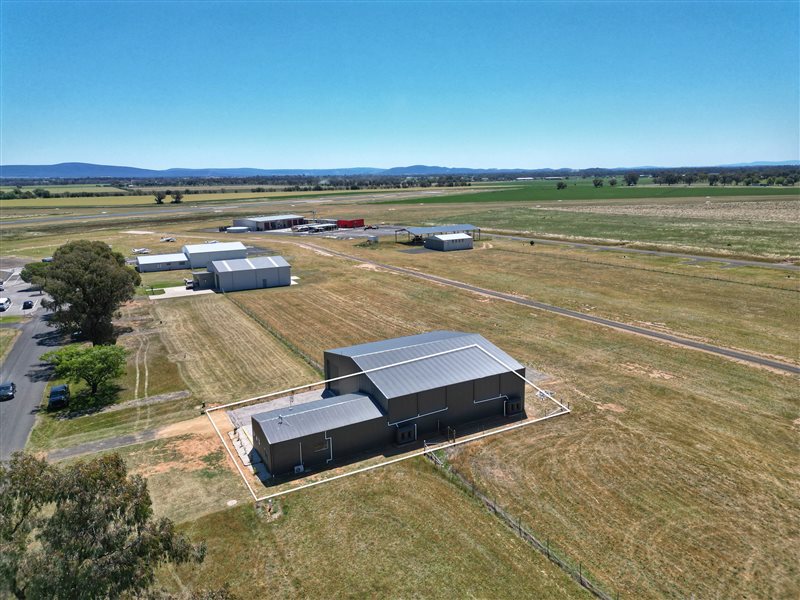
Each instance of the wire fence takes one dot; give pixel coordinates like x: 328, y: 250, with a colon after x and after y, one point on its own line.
x: 575, y: 571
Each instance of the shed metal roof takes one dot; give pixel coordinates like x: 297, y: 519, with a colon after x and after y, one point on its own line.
x: 269, y: 218
x: 440, y: 229
x: 152, y: 259
x: 318, y: 416
x: 456, y: 361
x: 453, y: 236
x: 248, y: 264
x: 218, y: 247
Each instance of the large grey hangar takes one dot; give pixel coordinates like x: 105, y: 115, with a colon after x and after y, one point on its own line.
x: 250, y: 273
x: 268, y: 223
x: 392, y: 391
x: 202, y: 255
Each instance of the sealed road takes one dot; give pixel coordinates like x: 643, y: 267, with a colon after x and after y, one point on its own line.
x: 23, y: 367
x: 745, y: 357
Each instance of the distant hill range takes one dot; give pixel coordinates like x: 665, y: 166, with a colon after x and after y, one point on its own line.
x: 77, y: 170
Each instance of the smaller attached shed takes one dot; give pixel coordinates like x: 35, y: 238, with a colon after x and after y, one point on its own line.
x: 449, y: 241
x: 314, y: 433
x: 161, y: 262
x: 250, y: 273
x: 201, y: 255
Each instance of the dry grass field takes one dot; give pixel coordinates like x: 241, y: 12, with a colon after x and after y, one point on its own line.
x: 675, y: 476
x: 400, y: 532
x: 677, y: 473
x: 708, y: 302
x: 222, y: 354
x: 7, y: 337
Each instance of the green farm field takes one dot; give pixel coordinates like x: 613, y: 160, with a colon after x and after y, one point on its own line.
x: 545, y: 191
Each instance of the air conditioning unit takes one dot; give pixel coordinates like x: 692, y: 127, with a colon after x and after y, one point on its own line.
x: 299, y: 469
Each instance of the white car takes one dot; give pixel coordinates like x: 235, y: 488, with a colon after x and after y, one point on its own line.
x: 5, y: 304
x: 212, y: 242
x: 141, y: 250
x: 168, y: 239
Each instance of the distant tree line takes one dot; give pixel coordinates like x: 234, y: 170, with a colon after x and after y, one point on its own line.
x: 769, y: 175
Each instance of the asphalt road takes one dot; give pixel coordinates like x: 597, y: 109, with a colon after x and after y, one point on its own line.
x: 693, y: 257
x: 657, y: 335
x: 22, y: 366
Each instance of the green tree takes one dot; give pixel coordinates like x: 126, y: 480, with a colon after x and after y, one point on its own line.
x: 34, y: 273
x: 85, y: 530
x: 713, y: 179
x: 88, y: 282
x: 689, y: 178
x: 93, y: 364
x: 160, y: 197
x: 597, y: 182
x: 561, y: 185
x: 612, y: 182
x: 177, y: 197
x: 631, y: 179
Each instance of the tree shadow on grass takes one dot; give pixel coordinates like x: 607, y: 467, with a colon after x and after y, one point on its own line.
x: 85, y: 403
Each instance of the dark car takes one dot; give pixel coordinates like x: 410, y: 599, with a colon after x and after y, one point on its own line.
x: 59, y: 397
x: 7, y: 390
x: 28, y: 304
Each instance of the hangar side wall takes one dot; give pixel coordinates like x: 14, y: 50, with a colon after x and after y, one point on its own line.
x: 251, y: 279
x: 455, y: 404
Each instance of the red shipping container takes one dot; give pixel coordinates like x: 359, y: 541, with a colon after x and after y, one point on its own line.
x: 350, y: 223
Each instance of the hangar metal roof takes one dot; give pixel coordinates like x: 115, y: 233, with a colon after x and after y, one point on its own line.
x: 161, y: 258
x: 248, y: 264
x: 430, y: 360
x: 453, y: 236
x: 318, y: 416
x: 440, y: 229
x: 269, y: 218
x: 218, y: 247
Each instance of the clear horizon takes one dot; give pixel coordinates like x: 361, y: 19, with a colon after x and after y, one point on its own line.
x: 309, y: 85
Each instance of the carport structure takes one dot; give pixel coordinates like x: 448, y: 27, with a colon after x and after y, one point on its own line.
x: 418, y: 235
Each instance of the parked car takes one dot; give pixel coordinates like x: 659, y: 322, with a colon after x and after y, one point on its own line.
x: 7, y: 390
x: 2, y: 287
x: 168, y: 239
x: 47, y: 259
x: 141, y: 250
x: 5, y: 304
x: 59, y: 397
x: 28, y: 304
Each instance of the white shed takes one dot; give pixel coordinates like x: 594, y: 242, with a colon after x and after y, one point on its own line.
x: 449, y: 241
x: 250, y: 273
x: 161, y: 262
x: 201, y: 255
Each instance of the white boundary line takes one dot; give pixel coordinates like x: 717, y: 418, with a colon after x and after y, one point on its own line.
x: 562, y: 411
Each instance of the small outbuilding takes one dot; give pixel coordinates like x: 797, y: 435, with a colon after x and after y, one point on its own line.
x: 270, y: 222
x: 201, y: 255
x: 250, y: 273
x: 161, y: 262
x: 449, y: 241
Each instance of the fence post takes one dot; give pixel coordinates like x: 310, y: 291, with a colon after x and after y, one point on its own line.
x: 580, y: 572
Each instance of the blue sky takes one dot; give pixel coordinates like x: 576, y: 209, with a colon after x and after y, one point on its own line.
x: 315, y: 85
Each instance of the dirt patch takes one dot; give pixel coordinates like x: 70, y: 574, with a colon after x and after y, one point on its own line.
x: 652, y: 373
x: 368, y: 267
x: 200, y: 426
x: 611, y: 407
x: 186, y: 454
